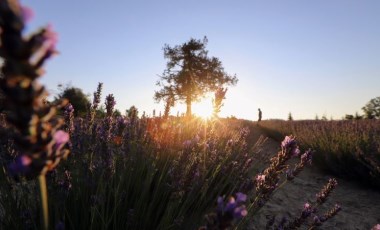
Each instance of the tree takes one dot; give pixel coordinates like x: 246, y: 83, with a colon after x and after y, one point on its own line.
x: 117, y: 113
x: 349, y: 117
x: 372, y: 109
x: 190, y: 73
x: 132, y: 112
x: 169, y: 102
x: 76, y: 97
x: 290, y: 117
x: 357, y: 116
x: 217, y: 102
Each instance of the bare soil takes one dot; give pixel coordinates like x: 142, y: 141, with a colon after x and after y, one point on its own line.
x: 360, y: 205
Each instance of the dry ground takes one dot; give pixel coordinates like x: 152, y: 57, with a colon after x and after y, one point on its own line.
x: 360, y: 205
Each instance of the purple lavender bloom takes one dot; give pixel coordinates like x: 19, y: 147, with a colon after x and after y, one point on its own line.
x: 260, y: 178
x: 307, y: 157
x: 61, y: 138
x: 187, y: 143
x: 231, y: 205
x: 307, y: 210
x: 220, y: 204
x: 289, y: 142
x: 240, y: 197
x: 295, y: 152
x: 27, y: 14
x: 69, y: 108
x: 121, y: 121
x: 60, y: 226
x: 376, y: 227
x: 240, y: 212
x: 97, y: 94
x: 317, y: 221
x: 234, y: 207
x: 50, y: 39
x: 21, y: 165
x: 289, y: 174
x: 110, y: 104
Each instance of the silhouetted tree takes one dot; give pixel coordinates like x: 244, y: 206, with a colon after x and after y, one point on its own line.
x: 132, y: 112
x: 117, y: 113
x: 217, y: 101
x: 190, y: 73
x: 357, y: 116
x: 349, y: 117
x: 169, y: 102
x: 290, y: 117
x: 76, y: 97
x: 372, y: 109
x: 100, y: 112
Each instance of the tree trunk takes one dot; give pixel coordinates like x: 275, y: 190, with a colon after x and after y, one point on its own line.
x: 167, y: 109
x: 189, y: 91
x: 188, y: 106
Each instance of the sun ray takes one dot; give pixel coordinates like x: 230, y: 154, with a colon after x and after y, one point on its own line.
x: 203, y: 108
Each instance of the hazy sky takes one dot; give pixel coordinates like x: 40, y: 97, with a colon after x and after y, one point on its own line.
x: 304, y: 57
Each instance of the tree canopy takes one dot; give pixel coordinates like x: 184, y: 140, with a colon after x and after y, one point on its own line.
x: 76, y: 97
x: 190, y: 73
x: 372, y: 108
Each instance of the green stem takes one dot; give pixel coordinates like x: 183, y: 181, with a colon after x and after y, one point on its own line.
x: 44, y: 200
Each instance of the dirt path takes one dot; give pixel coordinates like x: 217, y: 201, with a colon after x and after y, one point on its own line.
x: 360, y: 206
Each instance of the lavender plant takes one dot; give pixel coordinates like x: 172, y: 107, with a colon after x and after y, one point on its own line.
x: 345, y: 148
x: 38, y: 135
x: 266, y: 184
x: 126, y: 172
x: 311, y: 209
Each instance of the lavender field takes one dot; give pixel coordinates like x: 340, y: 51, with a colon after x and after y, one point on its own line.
x: 63, y: 166
x: 348, y: 148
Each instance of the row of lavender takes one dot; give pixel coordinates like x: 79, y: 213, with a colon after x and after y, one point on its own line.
x: 347, y: 148
x: 153, y: 173
x: 125, y: 172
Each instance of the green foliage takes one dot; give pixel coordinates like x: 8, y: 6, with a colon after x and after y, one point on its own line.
x: 349, y: 117
x: 372, y: 109
x: 352, y: 117
x: 76, y: 97
x: 117, y: 113
x: 290, y: 117
x: 100, y: 112
x: 217, y: 101
x: 190, y: 73
x: 132, y: 112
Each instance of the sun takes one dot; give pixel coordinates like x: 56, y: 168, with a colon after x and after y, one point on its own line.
x: 203, y: 108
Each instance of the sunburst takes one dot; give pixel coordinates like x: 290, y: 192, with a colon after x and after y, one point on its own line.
x: 203, y: 108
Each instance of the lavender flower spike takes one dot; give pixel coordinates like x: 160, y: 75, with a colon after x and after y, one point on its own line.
x: 288, y: 142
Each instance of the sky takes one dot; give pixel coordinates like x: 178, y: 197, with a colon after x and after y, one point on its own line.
x: 309, y: 58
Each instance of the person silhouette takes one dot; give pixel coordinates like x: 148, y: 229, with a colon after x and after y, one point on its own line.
x: 260, y: 115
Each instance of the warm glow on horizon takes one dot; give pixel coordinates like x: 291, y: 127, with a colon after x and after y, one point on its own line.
x: 203, y: 108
